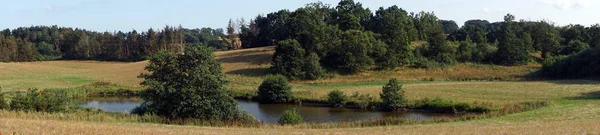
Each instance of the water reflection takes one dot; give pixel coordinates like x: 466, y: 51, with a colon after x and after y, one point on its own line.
x: 270, y: 112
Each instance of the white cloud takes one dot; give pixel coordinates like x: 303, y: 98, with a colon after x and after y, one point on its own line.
x: 566, y: 4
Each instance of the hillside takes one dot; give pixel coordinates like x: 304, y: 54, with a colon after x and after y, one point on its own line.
x: 245, y: 68
x: 571, y: 109
x: 60, y: 74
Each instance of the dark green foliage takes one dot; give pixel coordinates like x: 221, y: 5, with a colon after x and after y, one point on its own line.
x: 312, y: 68
x: 422, y: 62
x: 484, y: 52
x: 205, y: 36
x: 396, y: 29
x: 288, y: 59
x: 41, y: 101
x: 290, y: 117
x: 53, y: 42
x: 476, y: 30
x: 3, y: 102
x: 581, y: 65
x: 337, y: 98
x: 449, y: 26
x: 466, y: 51
x: 21, y: 102
x: 349, y: 22
x: 48, y: 51
x: 275, y: 89
x: 364, y: 101
x: 593, y: 35
x: 575, y: 46
x: 550, y: 45
x: 511, y: 49
x: 352, y: 56
x: 439, y: 50
x: 427, y: 24
x: 441, y: 106
x: 16, y: 49
x: 189, y: 85
x: 351, y: 15
x: 392, y: 95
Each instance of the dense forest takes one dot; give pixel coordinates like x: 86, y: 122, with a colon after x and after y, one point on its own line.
x: 349, y: 38
x: 53, y: 42
x: 318, y: 38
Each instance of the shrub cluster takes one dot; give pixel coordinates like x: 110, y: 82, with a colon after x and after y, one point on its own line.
x: 3, y: 102
x: 42, y: 101
x: 364, y: 101
x: 581, y: 65
x: 189, y: 85
x: 393, y: 95
x: 275, y: 89
x: 337, y: 98
x: 441, y: 106
x: 290, y: 117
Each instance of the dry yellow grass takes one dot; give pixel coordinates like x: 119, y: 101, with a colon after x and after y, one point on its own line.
x: 498, y: 93
x: 53, y: 74
x: 246, y: 68
x: 240, y: 65
x: 578, y: 121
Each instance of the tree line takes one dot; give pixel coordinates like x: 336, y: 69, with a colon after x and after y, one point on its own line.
x: 319, y: 38
x: 349, y: 38
x: 53, y: 43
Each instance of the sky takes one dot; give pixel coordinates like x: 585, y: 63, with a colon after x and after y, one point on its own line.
x: 127, y: 15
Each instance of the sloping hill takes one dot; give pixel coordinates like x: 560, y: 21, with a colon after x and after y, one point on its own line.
x: 59, y: 74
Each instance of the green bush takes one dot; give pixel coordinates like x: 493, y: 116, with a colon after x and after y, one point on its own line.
x: 3, y: 102
x: 21, y: 103
x: 441, y: 106
x: 422, y: 62
x: 42, y: 101
x: 393, y: 95
x: 465, y: 51
x: 312, y: 68
x: 364, y: 101
x: 337, y: 98
x: 484, y: 52
x: 575, y: 46
x: 275, y: 89
x: 189, y: 85
x: 352, y: 56
x: 580, y: 65
x: 290, y: 117
x: 288, y: 59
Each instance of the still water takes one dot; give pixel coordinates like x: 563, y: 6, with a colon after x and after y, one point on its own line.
x: 270, y: 112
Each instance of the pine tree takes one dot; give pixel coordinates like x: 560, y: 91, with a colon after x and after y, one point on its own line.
x: 393, y: 95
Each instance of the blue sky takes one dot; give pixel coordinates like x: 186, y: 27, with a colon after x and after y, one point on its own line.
x: 126, y: 15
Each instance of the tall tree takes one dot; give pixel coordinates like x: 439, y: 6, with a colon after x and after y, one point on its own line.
x: 288, y: 59
x: 394, y: 25
x: 512, y: 49
x: 426, y: 24
x: 186, y: 86
x: 449, y: 26
x: 351, y: 15
x: 593, y: 34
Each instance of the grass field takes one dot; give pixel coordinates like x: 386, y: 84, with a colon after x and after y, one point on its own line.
x: 575, y: 109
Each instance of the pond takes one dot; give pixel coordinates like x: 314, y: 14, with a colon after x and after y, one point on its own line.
x: 270, y: 112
